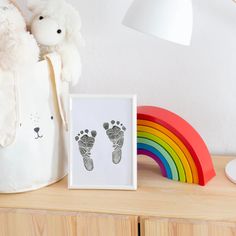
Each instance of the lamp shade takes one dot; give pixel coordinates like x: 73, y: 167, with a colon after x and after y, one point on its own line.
x: 171, y: 20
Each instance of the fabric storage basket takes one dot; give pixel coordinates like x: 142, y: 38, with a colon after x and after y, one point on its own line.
x: 33, y: 128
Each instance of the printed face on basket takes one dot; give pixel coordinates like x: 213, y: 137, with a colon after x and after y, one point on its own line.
x: 36, y: 125
x: 35, y: 119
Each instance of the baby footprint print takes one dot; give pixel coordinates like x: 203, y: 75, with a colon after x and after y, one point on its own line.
x: 115, y: 132
x: 86, y: 142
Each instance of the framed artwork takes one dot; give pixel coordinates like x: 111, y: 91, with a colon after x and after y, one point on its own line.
x: 103, y: 142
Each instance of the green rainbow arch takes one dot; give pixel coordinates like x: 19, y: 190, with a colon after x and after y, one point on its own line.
x: 163, y: 153
x: 166, y: 149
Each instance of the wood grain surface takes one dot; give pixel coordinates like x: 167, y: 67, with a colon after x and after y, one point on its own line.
x: 155, y: 197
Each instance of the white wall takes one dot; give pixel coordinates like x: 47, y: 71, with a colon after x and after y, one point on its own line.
x: 197, y: 82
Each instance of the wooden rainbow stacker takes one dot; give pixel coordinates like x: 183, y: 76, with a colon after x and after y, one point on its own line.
x: 175, y: 145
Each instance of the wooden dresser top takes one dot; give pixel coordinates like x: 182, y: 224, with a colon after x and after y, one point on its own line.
x: 155, y: 197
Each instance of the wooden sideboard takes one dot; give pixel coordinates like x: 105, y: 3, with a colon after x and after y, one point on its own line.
x: 158, y: 207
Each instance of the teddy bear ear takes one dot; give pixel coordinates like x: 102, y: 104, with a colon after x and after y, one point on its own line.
x: 35, y: 5
x: 74, y: 29
x: 78, y: 39
x: 55, y: 5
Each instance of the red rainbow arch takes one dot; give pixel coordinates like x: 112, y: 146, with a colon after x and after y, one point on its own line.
x: 175, y: 145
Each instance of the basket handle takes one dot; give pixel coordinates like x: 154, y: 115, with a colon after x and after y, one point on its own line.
x: 61, y: 87
x: 9, y: 107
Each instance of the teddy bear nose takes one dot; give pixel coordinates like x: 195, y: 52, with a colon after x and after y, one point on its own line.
x: 4, y: 8
x: 36, y: 130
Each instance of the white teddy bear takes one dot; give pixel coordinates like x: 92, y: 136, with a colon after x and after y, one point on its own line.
x: 18, y: 47
x: 56, y: 26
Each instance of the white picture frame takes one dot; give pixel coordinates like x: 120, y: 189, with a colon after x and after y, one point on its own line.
x: 102, y: 142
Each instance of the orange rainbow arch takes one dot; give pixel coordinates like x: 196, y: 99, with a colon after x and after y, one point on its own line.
x: 175, y: 145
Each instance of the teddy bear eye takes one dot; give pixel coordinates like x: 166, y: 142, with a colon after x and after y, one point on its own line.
x: 59, y: 31
x: 41, y: 18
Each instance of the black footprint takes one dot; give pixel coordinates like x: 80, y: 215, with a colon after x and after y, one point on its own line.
x: 86, y: 143
x: 115, y: 132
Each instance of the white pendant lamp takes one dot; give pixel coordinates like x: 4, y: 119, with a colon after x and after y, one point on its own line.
x: 171, y: 20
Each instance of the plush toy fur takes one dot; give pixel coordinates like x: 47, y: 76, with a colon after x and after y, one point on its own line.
x: 18, y: 48
x: 56, y: 26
